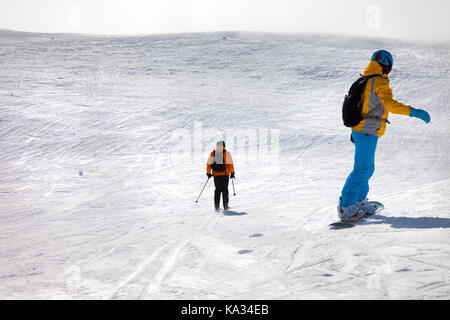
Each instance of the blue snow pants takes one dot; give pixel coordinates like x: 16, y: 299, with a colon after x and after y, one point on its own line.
x: 356, y: 186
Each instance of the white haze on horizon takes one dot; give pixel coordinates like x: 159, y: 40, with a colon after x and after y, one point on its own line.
x: 401, y: 19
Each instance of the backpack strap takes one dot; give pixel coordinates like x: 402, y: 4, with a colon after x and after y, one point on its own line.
x: 377, y: 118
x: 371, y: 76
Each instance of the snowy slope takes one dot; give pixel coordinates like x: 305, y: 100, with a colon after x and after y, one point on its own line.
x: 103, y: 143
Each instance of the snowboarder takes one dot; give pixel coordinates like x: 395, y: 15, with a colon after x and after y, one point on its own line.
x: 377, y: 102
x: 220, y: 165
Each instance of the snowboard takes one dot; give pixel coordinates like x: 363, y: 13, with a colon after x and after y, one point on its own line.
x: 346, y: 224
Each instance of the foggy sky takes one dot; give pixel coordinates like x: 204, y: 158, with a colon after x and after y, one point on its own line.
x: 401, y: 19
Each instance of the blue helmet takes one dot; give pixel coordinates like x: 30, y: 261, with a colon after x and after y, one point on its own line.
x: 385, y: 59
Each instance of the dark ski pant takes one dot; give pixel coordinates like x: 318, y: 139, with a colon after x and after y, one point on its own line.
x: 356, y: 187
x: 221, y: 184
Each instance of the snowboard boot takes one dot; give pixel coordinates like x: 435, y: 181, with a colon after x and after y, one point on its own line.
x: 350, y: 214
x: 367, y: 207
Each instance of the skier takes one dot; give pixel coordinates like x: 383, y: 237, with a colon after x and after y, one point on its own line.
x: 220, y: 165
x: 376, y: 104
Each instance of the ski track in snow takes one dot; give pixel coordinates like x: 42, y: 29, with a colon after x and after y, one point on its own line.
x: 96, y: 202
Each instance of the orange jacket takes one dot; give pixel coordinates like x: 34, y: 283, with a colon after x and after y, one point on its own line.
x: 228, y: 160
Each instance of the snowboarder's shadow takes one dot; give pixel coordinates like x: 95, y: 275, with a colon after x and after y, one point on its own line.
x: 412, y: 223
x: 233, y: 213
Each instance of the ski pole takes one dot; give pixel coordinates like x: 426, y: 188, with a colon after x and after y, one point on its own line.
x: 202, y: 190
x: 232, y: 182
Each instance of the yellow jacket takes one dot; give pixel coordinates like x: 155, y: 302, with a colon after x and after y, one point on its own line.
x: 378, y: 102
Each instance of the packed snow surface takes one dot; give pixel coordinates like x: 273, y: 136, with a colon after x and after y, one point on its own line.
x: 103, y: 144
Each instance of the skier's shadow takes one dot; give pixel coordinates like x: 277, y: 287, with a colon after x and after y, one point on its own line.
x: 412, y: 223
x: 233, y: 213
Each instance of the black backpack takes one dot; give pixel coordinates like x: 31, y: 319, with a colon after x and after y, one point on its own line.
x: 352, y: 106
x: 219, y: 167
